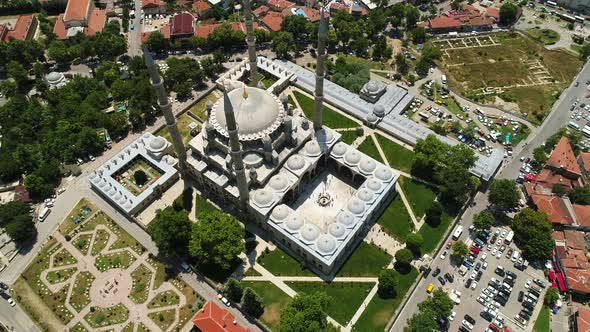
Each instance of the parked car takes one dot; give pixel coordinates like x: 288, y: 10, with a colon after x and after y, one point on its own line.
x: 436, y: 272
x: 520, y: 296
x: 441, y: 280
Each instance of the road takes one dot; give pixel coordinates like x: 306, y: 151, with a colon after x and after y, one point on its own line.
x: 134, y: 36
x: 559, y: 117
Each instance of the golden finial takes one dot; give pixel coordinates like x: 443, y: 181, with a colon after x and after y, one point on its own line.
x: 245, y: 94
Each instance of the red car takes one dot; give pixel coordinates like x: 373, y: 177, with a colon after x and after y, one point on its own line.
x: 474, y: 250
x: 494, y: 327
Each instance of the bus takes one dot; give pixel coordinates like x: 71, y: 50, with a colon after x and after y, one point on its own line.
x: 551, y: 4
x: 458, y: 232
x: 443, y: 79
x: 509, y: 237
x: 579, y: 19
x: 423, y: 116
x: 566, y: 17
x: 586, y: 131
x: 573, y: 125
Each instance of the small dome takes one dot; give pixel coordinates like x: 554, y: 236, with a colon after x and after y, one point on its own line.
x: 128, y: 205
x: 157, y: 143
x: 372, y: 87
x: 329, y: 135
x: 352, y: 157
x: 356, y: 206
x: 112, y: 191
x: 367, y: 166
x: 336, y: 229
x: 117, y: 196
x: 379, y: 110
x: 262, y: 197
x: 54, y: 77
x: 296, y: 162
x: 373, y: 184
x: 312, y: 148
x: 146, y: 135
x: 326, y: 244
x: 278, y: 182
x: 122, y: 200
x: 101, y: 184
x: 294, y: 223
x: 345, y: 218
x: 371, y: 117
x: 280, y: 212
x: 339, y: 149
x: 310, y: 232
x: 170, y: 160
x: 365, y: 195
x: 383, y: 174
x: 92, y: 176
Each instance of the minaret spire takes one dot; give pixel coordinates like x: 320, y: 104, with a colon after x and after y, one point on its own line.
x: 251, y: 42
x: 236, y: 149
x: 166, y: 108
x: 320, y: 72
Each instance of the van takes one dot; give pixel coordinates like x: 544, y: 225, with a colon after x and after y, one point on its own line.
x: 44, y: 213
x: 430, y: 288
x: 532, y: 296
x: 515, y: 256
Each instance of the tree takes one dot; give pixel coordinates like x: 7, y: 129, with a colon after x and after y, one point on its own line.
x: 508, y: 12
x: 484, y: 220
x: 558, y: 189
x: 419, y: 35
x: 17, y: 72
x: 306, y: 313
x: 283, y: 43
x: 295, y: 24
x: 584, y: 51
x: 37, y: 186
x: 252, y: 303
x: 233, y: 290
x: 460, y: 249
x: 170, y: 230
x: 580, y: 195
x: 156, y: 42
x: 439, y: 303
x: 414, y: 241
x: 16, y: 219
x: 216, y: 241
x: 403, y: 258
x: 412, y: 16
x: 504, y: 194
x: 387, y: 284
x: 540, y: 155
x: 140, y: 177
x: 433, y: 214
x: 401, y: 64
x: 532, y: 232
x: 423, y: 320
x: 456, y: 5
x: 551, y: 297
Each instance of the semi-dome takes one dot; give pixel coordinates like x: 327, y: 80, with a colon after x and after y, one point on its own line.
x: 352, y: 157
x: 296, y: 162
x: 365, y: 195
x: 294, y: 223
x: 326, y: 244
x: 280, y: 212
x: 345, y: 218
x: 278, y: 182
x: 336, y: 229
x: 383, y: 174
x: 339, y: 149
x: 257, y: 113
x: 355, y: 206
x: 367, y: 166
x: 262, y: 197
x: 312, y: 148
x: 379, y: 110
x: 310, y: 232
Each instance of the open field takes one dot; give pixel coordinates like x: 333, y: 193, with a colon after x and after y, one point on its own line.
x: 330, y: 117
x: 516, y: 69
x: 545, y: 36
x: 398, y: 157
x: 199, y: 110
x: 432, y: 235
x: 273, y: 298
x: 418, y: 194
x: 396, y: 220
x: 369, y: 148
x: 182, y: 122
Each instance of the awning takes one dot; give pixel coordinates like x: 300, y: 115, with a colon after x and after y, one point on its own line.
x: 551, y: 275
x: 554, y: 285
x: 561, y: 282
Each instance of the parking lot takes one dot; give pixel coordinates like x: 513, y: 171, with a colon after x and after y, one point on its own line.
x: 469, y: 303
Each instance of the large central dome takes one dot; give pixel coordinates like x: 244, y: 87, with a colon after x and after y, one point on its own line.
x: 257, y: 113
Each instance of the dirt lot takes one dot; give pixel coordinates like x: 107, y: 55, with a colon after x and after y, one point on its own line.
x: 517, y: 69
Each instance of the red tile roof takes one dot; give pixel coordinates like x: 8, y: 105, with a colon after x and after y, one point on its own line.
x: 59, y: 29
x: 204, y: 30
x: 313, y: 15
x: 479, y: 21
x: 583, y: 214
x: 152, y: 3
x: 578, y: 280
x: 554, y: 207
x: 273, y: 20
x: 548, y: 178
x: 213, y: 318
x: 280, y: 4
x: 201, y: 6
x: 563, y: 157
x: 182, y: 24
x: 493, y: 13
x: 585, y: 161
x: 164, y: 30
x: 96, y: 22
x: 21, y: 28
x: 583, y: 320
x: 443, y: 22
x: 77, y: 10
x: 260, y: 11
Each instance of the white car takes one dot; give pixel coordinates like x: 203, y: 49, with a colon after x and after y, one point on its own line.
x: 494, y: 251
x: 11, y: 302
x: 452, y: 316
x: 484, y: 265
x: 467, y: 324
x: 225, y: 301
x: 503, y: 235
x: 499, y: 255
x: 484, y: 256
x: 527, y: 285
x: 473, y: 284
x: 473, y: 275
x: 443, y: 255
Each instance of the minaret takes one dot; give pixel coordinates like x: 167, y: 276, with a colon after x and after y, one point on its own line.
x: 166, y: 107
x: 236, y: 148
x: 251, y: 42
x: 320, y: 73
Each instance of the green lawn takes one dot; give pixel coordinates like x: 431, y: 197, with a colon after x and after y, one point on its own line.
x: 545, y: 36
x: 330, y: 117
x: 397, y: 156
x: 396, y: 220
x: 522, y: 134
x: 182, y: 122
x: 345, y: 297
x: 348, y: 136
x: 379, y: 311
x: 542, y: 322
x: 280, y: 263
x: 199, y: 110
x: 433, y: 235
x: 418, y: 194
x: 367, y: 260
x: 202, y: 205
x: 369, y: 148
x: 274, y: 301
